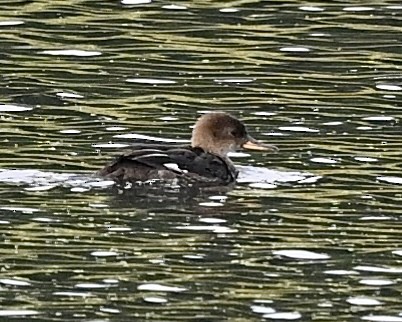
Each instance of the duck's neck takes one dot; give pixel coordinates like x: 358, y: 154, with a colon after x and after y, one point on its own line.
x: 218, y: 151
x: 231, y: 167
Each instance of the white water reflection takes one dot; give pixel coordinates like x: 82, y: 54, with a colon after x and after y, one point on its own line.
x: 150, y: 81
x: 228, y: 10
x: 211, y: 204
x: 71, y: 131
x: 341, y: 272
x: 323, y: 160
x: 311, y: 8
x: 382, y: 318
x: 217, y: 229
x: 283, y: 316
x: 174, y: 7
x: 23, y: 210
x: 103, y: 253
x: 42, y: 181
x: 394, y: 180
x: 256, y: 177
x: 300, y: 254
x: 362, y: 300
x: 160, y: 288
x: 376, y: 269
x: 14, y: 282
x: 148, y: 137
x: 295, y: 49
x: 262, y: 309
x: 265, y: 178
x: 155, y: 299
x: 376, y: 282
x: 18, y: 312
x: 91, y: 285
x: 72, y: 52
x: 135, y: 2
x: 389, y: 87
x: 40, y: 188
x: 110, y: 145
x: 11, y: 23
x: 68, y: 95
x: 73, y: 294
x: 357, y: 9
x: 365, y: 159
x: 379, y: 118
x: 298, y: 129
x: 234, y: 80
x: 14, y: 108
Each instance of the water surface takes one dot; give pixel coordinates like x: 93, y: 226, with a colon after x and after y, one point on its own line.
x: 309, y: 233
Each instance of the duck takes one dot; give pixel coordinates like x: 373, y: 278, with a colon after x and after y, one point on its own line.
x: 205, y: 160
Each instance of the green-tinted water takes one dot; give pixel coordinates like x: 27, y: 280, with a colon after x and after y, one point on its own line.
x: 310, y: 233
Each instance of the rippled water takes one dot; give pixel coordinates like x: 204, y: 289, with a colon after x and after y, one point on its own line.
x: 310, y: 233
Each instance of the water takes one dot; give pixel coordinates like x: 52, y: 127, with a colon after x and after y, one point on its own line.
x: 309, y: 233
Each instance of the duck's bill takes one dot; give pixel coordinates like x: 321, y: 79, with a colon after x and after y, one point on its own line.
x: 253, y: 144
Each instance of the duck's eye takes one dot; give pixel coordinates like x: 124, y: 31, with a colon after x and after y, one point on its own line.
x: 233, y: 133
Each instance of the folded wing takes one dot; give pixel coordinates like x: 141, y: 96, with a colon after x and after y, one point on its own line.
x: 189, y: 164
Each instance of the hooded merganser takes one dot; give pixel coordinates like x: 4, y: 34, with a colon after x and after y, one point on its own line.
x: 206, y: 160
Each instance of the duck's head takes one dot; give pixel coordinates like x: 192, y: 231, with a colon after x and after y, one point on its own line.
x: 221, y: 133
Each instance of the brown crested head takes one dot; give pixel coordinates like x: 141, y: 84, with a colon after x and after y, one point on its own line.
x: 220, y: 133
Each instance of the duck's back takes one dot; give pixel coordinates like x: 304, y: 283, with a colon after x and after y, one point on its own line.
x: 187, y: 163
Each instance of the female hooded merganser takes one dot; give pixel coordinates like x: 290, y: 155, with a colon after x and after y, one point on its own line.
x: 205, y: 161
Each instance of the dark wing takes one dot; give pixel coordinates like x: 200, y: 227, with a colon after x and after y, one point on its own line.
x: 203, y: 166
x: 186, y: 163
x: 139, y: 165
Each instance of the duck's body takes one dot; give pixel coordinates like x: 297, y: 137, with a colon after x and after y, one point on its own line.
x: 187, y: 163
x: 205, y: 161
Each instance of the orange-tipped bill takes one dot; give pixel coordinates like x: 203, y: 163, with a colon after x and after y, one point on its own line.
x: 253, y: 144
